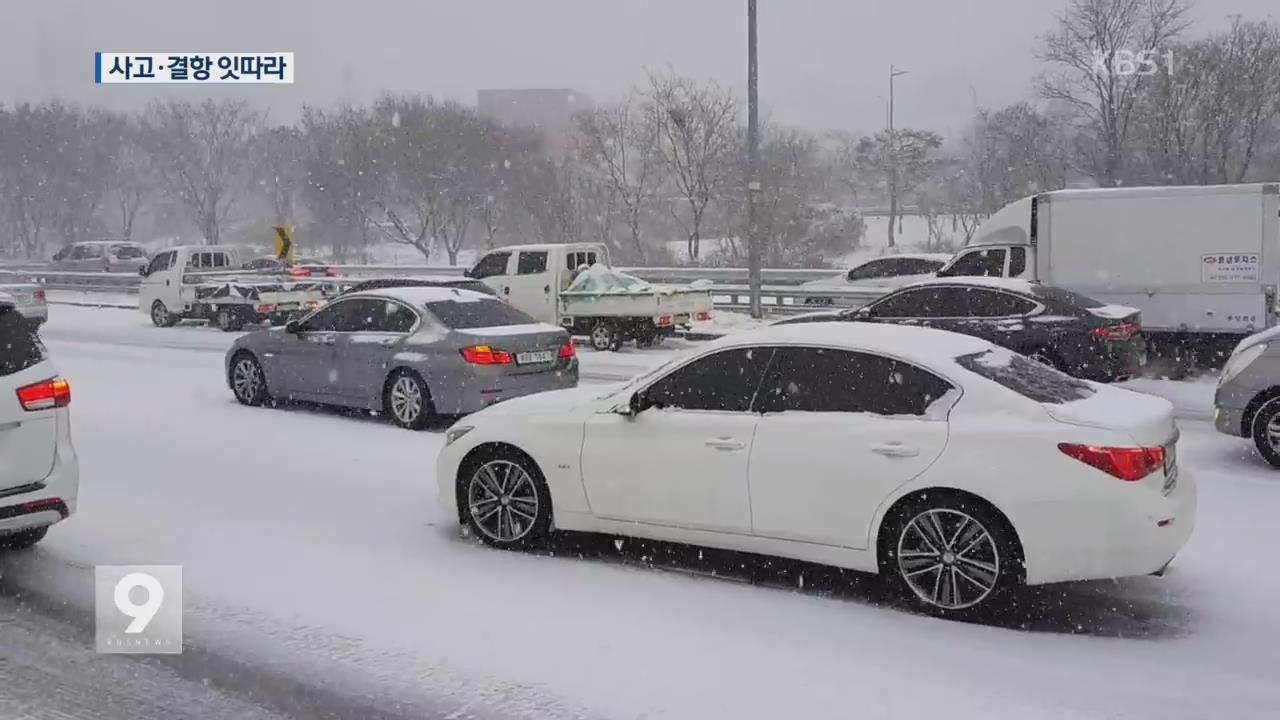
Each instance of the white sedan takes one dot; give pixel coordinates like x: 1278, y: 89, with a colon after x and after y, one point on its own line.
x: 880, y: 275
x: 953, y: 467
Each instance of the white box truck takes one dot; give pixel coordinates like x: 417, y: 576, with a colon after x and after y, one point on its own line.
x: 1202, y: 263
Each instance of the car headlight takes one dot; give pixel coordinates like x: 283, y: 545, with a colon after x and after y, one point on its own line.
x: 1241, y: 360
x: 456, y: 432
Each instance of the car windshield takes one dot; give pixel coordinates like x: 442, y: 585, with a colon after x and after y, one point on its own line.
x: 1030, y: 379
x: 477, y: 313
x: 127, y: 252
x: 20, y: 348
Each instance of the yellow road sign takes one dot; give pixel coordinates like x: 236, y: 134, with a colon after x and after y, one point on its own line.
x: 284, y: 242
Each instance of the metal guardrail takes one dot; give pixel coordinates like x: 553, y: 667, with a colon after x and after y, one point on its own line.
x: 779, y: 295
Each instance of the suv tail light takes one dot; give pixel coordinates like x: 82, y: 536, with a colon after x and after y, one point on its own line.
x: 51, y: 393
x: 1130, y: 464
x: 567, y: 350
x: 38, y: 297
x: 1117, y: 333
x: 485, y: 355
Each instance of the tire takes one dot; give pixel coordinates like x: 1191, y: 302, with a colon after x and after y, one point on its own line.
x: 504, y: 499
x: 228, y: 321
x: 22, y: 540
x: 248, y: 382
x: 407, y: 400
x: 161, y: 316
x: 605, y: 336
x: 1265, y: 430
x: 957, y: 580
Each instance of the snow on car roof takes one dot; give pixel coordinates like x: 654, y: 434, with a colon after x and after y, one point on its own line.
x: 422, y: 294
x: 908, y: 341
x: 939, y: 257
x: 997, y: 283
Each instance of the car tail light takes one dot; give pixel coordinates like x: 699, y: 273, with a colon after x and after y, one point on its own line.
x: 331, y: 272
x: 1127, y: 463
x: 299, y: 272
x: 265, y: 309
x: 311, y: 304
x: 38, y: 297
x: 704, y: 316
x: 51, y: 393
x: 567, y: 350
x: 663, y: 321
x: 485, y: 355
x: 1117, y: 333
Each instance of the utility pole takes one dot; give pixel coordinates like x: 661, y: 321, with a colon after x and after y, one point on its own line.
x: 893, y: 157
x: 753, y: 165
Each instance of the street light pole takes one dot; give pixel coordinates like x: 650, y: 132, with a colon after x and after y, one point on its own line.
x: 753, y: 163
x: 893, y: 157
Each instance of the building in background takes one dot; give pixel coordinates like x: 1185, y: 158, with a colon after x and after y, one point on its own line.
x: 548, y: 109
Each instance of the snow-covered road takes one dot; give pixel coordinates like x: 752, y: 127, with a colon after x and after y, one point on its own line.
x: 311, y: 544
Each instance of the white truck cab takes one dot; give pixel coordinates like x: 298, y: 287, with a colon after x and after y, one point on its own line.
x: 536, y: 279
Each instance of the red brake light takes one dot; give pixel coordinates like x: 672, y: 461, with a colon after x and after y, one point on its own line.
x: 51, y: 393
x: 1127, y: 463
x: 485, y: 355
x: 265, y: 309
x: 664, y: 320
x: 704, y: 316
x: 567, y: 351
x: 1117, y: 333
x: 331, y: 272
x: 38, y: 296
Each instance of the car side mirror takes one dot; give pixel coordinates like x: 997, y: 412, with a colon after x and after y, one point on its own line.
x: 142, y: 271
x: 469, y: 273
x: 293, y: 327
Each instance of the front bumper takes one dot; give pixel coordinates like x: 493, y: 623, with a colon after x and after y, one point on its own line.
x: 1229, y: 420
x: 1130, y: 532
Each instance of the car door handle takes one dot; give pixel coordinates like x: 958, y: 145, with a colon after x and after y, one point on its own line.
x: 895, y: 449
x: 725, y: 443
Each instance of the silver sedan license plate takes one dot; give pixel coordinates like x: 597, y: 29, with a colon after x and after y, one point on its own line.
x: 533, y: 358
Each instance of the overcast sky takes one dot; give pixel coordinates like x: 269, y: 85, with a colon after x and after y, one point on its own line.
x: 823, y: 62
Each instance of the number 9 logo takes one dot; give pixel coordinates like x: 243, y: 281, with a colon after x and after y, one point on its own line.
x: 142, y: 614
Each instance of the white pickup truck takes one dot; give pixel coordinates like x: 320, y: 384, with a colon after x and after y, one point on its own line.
x: 206, y: 282
x: 572, y: 285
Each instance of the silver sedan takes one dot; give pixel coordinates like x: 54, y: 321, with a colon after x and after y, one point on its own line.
x: 411, y: 352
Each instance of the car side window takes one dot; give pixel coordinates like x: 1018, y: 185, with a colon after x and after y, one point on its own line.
x: 531, y: 263
x: 979, y: 263
x: 924, y: 302
x: 160, y: 262
x: 1017, y: 261
x: 726, y: 381
x: 809, y: 379
x: 392, y: 317
x: 340, y: 316
x: 872, y: 269
x: 491, y: 264
x: 917, y: 266
x: 994, y: 304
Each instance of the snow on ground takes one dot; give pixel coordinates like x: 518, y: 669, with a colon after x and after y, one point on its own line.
x: 319, y: 532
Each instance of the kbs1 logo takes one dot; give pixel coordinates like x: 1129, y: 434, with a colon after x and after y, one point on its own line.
x: 1127, y: 63
x: 138, y: 609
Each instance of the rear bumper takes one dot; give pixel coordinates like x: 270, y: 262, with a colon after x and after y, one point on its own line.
x: 50, y: 500
x: 1110, y: 361
x: 482, y: 388
x: 1129, y: 532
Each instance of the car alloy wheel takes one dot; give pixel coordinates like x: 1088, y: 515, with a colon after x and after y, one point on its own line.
x: 948, y: 559
x: 502, y: 501
x: 406, y: 400
x: 247, y: 382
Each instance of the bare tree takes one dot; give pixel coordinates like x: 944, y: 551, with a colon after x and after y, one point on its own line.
x: 201, y: 154
x: 135, y: 182
x: 280, y: 169
x: 620, y: 142
x: 695, y: 130
x: 346, y: 178
x: 900, y: 159
x: 1091, y: 36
